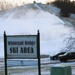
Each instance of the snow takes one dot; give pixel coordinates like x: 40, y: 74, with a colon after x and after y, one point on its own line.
x: 25, y: 21
x: 37, y: 6
x: 45, y: 69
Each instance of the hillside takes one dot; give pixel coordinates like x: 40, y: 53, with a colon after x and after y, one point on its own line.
x: 25, y: 9
x: 27, y: 19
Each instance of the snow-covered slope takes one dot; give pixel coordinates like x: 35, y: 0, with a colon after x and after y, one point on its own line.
x: 28, y: 19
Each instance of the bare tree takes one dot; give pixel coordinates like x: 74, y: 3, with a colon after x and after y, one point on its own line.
x: 70, y: 46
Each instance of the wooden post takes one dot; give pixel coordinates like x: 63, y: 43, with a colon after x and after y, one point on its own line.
x: 5, y: 53
x: 38, y: 52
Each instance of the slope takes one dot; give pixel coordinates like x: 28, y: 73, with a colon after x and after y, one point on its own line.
x: 28, y: 19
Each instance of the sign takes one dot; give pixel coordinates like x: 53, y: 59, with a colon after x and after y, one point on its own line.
x: 22, y: 47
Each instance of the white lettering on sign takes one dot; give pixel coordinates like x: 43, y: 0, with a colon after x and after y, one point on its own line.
x: 22, y: 47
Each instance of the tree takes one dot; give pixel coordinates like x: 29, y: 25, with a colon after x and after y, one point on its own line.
x: 70, y: 46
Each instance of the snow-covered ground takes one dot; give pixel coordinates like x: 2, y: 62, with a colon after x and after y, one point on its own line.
x: 33, y: 70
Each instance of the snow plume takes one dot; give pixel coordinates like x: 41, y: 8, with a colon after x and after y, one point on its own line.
x: 29, y: 11
x: 27, y: 20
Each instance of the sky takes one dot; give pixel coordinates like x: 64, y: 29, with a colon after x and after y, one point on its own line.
x: 29, y: 1
x: 45, y: 1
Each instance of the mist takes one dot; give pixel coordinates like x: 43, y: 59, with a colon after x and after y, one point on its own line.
x: 28, y: 19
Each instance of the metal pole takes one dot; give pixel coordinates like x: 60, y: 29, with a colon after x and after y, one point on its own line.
x: 5, y: 53
x: 38, y: 51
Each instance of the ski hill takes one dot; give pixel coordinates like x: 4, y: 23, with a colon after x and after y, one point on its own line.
x: 29, y: 18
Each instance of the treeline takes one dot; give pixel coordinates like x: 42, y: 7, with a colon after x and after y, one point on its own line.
x: 67, y: 7
x: 7, y: 4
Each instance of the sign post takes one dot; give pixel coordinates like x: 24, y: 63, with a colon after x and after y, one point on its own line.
x: 38, y: 48
x: 5, y: 53
x: 22, y: 47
